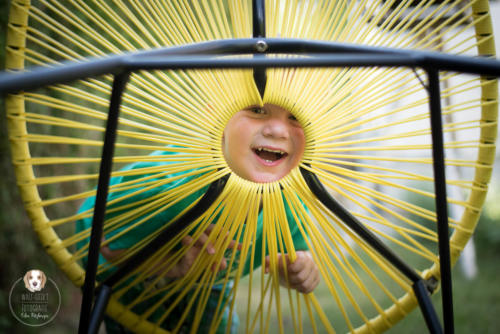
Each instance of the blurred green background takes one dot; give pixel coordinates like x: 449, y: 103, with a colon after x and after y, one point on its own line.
x: 476, y: 301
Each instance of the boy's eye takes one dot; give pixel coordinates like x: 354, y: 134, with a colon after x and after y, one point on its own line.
x: 257, y: 110
x: 292, y: 118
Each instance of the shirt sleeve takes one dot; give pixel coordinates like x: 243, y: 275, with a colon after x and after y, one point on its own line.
x: 137, y: 198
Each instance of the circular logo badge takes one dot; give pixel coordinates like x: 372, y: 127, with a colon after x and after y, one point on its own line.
x: 34, y: 299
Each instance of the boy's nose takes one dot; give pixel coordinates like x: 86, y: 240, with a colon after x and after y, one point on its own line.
x: 276, y: 128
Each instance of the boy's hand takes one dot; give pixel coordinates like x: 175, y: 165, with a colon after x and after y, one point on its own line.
x: 303, y: 274
x: 182, y: 267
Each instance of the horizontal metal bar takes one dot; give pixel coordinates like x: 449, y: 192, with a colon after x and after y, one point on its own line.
x: 41, y: 76
x: 438, y: 60
x: 323, y: 60
x: 70, y: 71
x: 12, y: 83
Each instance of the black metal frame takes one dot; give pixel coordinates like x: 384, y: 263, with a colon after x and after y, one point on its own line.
x: 319, y: 54
x: 203, y: 56
x: 259, y: 31
x: 93, y: 317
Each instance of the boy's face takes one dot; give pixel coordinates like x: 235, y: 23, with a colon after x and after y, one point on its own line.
x: 262, y: 144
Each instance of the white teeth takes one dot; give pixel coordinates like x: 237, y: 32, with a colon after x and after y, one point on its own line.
x: 270, y: 150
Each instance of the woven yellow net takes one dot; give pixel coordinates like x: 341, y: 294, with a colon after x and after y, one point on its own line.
x: 367, y: 139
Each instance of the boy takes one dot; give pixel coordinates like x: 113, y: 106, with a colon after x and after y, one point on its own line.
x: 260, y: 144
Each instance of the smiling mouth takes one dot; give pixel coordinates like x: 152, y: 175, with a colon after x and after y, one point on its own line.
x: 269, y: 155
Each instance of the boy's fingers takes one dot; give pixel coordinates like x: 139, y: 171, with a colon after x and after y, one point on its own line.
x: 267, y: 264
x: 221, y: 266
x: 187, y: 240
x: 279, y: 260
x: 233, y: 243
x: 202, y: 240
x: 302, y: 276
x: 209, y: 228
x: 309, y: 284
x: 302, y: 261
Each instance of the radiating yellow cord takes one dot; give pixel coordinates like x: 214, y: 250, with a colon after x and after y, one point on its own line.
x: 368, y: 140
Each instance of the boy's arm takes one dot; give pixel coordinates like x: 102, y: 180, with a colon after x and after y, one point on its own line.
x: 110, y: 254
x: 303, y: 274
x: 181, y: 268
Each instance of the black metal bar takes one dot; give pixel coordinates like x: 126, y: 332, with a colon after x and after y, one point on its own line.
x: 420, y: 287
x: 259, y: 31
x: 259, y: 18
x: 441, y: 201
x: 101, y: 302
x: 173, y: 229
x: 343, y: 55
x: 322, y: 60
x: 41, y: 76
x: 106, y: 287
x: 347, y: 218
x: 119, y: 84
x: 429, y: 313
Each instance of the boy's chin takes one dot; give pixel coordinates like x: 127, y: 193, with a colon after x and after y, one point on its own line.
x: 266, y: 177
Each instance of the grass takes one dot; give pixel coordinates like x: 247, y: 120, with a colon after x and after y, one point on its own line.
x: 476, y: 303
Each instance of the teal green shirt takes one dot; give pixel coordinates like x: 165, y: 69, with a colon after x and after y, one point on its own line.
x: 164, y: 182
x: 154, y: 223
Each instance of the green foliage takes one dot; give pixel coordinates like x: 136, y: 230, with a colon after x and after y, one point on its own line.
x: 475, y: 302
x: 487, y: 232
x: 20, y: 249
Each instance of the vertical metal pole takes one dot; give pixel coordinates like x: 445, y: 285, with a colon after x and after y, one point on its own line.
x: 441, y: 202
x: 119, y: 83
x: 259, y: 30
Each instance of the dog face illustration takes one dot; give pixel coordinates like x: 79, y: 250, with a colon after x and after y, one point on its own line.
x: 34, y: 280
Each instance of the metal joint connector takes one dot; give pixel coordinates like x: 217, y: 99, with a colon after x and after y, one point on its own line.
x: 261, y: 46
